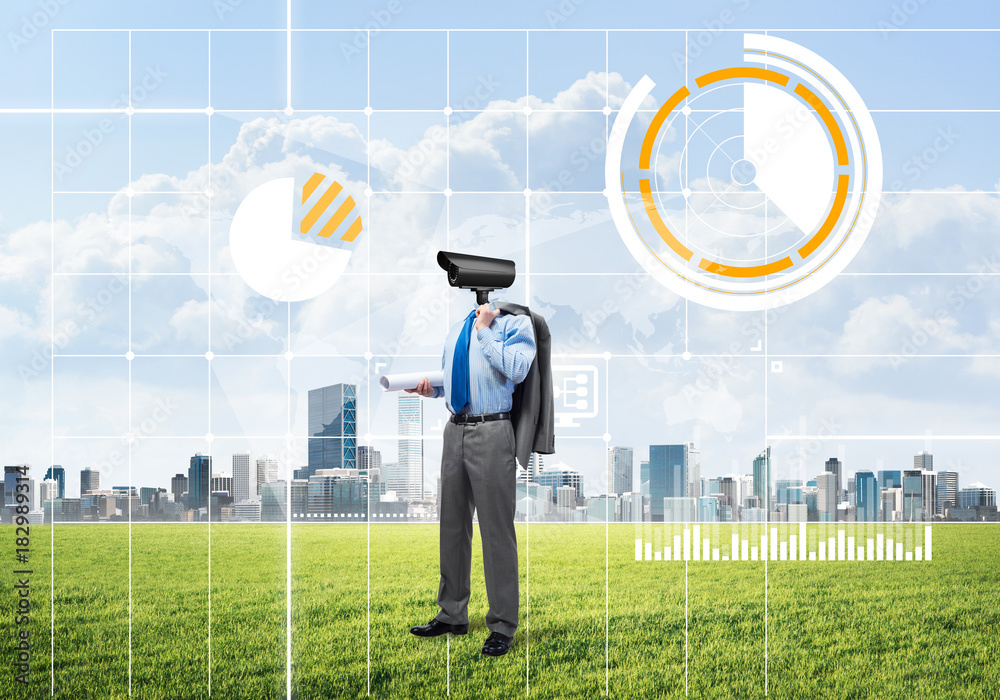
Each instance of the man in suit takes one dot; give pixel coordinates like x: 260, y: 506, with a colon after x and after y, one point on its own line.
x: 485, y: 356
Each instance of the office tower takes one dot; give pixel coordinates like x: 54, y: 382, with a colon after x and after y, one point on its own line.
x: 631, y: 510
x: 619, y: 470
x: 947, y: 490
x: 369, y: 459
x: 866, y: 496
x: 560, y: 475
x: 411, y: 447
x: 535, y: 465
x: 929, y: 487
x: 708, y: 509
x: 977, y: 495
x: 694, y: 472
x: 923, y: 460
x: 892, y: 504
x: 788, y: 491
x: 333, y: 428
x: 679, y: 509
x: 729, y: 488
x: 90, y: 480
x: 222, y: 483
x: 337, y: 494
x: 49, y: 490
x: 146, y: 493
x: 241, y: 476
x: 272, y: 502
x: 890, y: 479
x: 913, y: 495
x: 267, y: 471
x: 11, y: 475
x: 300, y: 498
x: 836, y: 467
x: 762, y: 479
x: 664, y: 476
x: 826, y: 499
x: 58, y: 474
x: 565, y: 501
x: 199, y: 476
x: 178, y: 486
x: 745, y: 489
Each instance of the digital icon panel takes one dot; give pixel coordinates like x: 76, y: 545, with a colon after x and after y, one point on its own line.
x: 750, y: 187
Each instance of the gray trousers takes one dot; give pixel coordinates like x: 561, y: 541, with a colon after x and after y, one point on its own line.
x: 478, y: 471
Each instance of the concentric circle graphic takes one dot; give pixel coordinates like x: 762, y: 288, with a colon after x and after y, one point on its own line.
x: 751, y: 187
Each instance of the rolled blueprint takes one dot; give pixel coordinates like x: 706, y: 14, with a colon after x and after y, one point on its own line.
x: 398, y: 382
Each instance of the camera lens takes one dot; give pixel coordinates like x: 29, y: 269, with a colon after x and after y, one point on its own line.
x: 452, y: 273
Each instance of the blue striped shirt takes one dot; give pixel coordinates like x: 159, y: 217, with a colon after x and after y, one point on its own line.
x: 499, y: 358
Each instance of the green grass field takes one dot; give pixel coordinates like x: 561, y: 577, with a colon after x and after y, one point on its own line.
x: 833, y: 630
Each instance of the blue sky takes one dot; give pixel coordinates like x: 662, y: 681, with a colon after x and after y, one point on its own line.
x: 936, y: 234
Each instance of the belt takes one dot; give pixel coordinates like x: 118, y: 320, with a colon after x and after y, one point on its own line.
x: 461, y: 418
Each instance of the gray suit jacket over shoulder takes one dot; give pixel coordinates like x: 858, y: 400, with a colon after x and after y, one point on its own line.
x: 533, y: 409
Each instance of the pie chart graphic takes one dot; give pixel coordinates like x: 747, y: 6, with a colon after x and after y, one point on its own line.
x: 753, y: 185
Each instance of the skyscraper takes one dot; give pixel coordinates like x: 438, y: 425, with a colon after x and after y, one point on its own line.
x: 333, y: 428
x: 836, y: 467
x: 762, y: 479
x: 222, y: 482
x: 560, y: 475
x: 178, y: 485
x: 369, y: 458
x: 947, y: 490
x: 199, y: 476
x: 694, y: 472
x: 273, y: 498
x: 664, y: 476
x: 12, y: 478
x: 977, y: 495
x: 890, y: 479
x: 267, y: 471
x: 923, y: 460
x: 929, y: 487
x: 57, y: 474
x: 619, y: 470
x: 411, y: 448
x: 535, y: 465
x: 729, y: 488
x: 241, y: 476
x: 913, y: 498
x: 49, y: 491
x: 826, y: 500
x: 867, y: 499
x: 90, y: 480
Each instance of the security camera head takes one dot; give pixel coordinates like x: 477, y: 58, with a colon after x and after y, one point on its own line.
x: 481, y: 275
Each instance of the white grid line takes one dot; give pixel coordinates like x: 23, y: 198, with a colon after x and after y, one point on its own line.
x: 52, y: 390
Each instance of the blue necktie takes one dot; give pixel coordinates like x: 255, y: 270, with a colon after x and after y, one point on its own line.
x: 460, y: 390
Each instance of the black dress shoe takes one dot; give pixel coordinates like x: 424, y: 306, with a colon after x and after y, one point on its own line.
x: 435, y: 628
x: 497, y: 644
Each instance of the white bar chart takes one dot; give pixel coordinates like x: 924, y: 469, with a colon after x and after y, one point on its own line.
x: 795, y: 542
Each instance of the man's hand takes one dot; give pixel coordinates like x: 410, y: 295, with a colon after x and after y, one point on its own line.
x: 423, y: 388
x: 485, y: 316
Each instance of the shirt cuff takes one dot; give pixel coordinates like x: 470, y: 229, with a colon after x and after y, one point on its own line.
x: 486, y: 334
